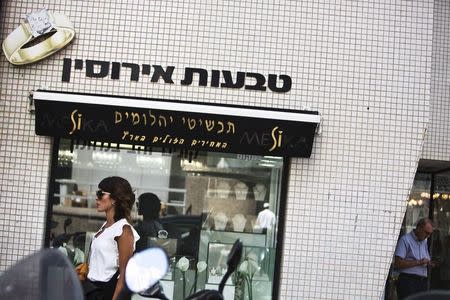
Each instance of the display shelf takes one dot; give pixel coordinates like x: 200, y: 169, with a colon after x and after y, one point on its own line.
x: 137, y: 188
x: 72, y: 196
x: 90, y: 196
x: 84, y: 212
x: 247, y: 175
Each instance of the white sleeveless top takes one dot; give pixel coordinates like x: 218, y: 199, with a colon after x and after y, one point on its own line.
x: 104, y: 257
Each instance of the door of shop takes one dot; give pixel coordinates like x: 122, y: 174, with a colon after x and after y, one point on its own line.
x: 429, y: 197
x: 440, y: 241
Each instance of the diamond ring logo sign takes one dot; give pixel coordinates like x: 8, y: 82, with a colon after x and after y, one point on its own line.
x: 32, y: 41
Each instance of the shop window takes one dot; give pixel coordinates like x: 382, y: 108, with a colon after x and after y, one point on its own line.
x: 209, y: 199
x: 418, y: 206
x: 418, y: 203
x: 440, y: 242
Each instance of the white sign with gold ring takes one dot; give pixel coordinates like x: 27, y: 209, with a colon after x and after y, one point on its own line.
x: 36, y: 26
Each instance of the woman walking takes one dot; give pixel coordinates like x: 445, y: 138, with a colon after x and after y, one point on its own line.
x: 114, y: 244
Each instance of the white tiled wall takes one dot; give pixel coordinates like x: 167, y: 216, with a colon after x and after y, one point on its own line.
x: 365, y: 65
x: 437, y: 142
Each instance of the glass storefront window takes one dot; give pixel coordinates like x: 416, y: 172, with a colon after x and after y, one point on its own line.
x: 440, y: 245
x: 430, y: 191
x: 418, y: 206
x: 208, y: 201
x: 418, y: 202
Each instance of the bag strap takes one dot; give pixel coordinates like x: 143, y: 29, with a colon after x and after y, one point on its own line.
x: 87, y: 245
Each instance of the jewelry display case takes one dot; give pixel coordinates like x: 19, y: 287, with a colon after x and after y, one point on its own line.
x: 217, y: 262
x: 253, y: 277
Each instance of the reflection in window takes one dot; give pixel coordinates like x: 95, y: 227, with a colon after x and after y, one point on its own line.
x: 418, y: 201
x: 440, y: 242
x: 207, y: 202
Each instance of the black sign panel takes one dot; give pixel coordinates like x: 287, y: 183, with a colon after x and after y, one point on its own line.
x: 200, y: 127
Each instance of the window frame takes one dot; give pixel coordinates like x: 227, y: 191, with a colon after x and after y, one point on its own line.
x: 284, y: 184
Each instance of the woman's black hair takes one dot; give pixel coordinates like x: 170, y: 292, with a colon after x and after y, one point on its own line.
x: 121, y: 191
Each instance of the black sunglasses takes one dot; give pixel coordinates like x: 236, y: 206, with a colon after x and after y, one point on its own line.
x: 101, y: 193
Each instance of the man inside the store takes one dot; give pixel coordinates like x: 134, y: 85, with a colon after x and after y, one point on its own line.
x: 412, y: 259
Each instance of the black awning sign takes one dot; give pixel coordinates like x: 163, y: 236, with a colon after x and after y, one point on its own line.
x: 157, y: 123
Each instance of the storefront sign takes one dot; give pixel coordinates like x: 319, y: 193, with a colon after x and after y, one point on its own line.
x: 156, y: 73
x: 184, y: 125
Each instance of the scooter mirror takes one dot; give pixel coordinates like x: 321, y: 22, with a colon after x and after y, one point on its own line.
x: 145, y: 269
x: 47, y: 274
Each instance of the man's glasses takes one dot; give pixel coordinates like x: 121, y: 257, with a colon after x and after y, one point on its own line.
x: 101, y: 193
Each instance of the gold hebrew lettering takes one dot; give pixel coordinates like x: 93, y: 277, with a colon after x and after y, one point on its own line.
x: 221, y: 125
x: 136, y: 118
x: 160, y: 123
x: 209, y: 124
x: 118, y: 117
x: 191, y: 123
x: 230, y: 127
x: 152, y: 117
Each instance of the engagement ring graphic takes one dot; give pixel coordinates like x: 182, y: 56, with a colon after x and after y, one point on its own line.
x: 41, y: 34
